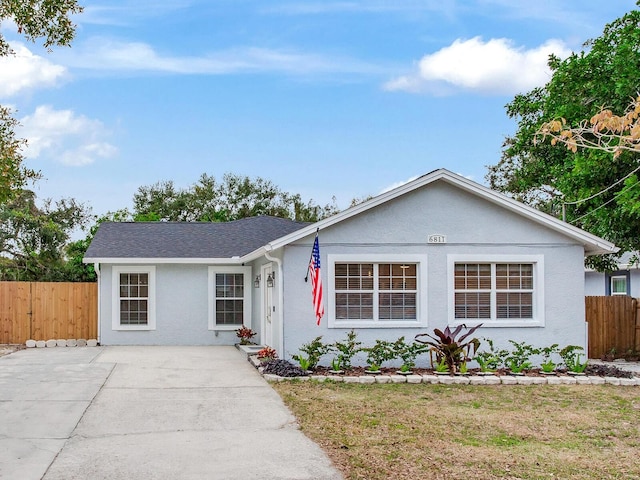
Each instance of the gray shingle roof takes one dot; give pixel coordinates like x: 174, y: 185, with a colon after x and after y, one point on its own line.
x: 187, y: 239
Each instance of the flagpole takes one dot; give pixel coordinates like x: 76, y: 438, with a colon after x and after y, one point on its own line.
x: 306, y: 279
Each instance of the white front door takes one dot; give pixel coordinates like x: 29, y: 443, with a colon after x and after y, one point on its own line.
x: 268, y: 313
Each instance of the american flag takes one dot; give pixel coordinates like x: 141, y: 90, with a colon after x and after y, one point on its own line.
x: 316, y: 280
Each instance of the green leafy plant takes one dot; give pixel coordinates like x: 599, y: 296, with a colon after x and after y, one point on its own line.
x: 266, y: 354
x: 571, y: 358
x: 304, y: 363
x: 347, y: 349
x: 441, y: 366
x: 548, y: 365
x: 451, y: 345
x: 408, y: 352
x: 315, y: 349
x: 405, y: 368
x: 381, y: 352
x: 491, y: 359
x: 464, y: 369
x: 245, y: 335
x: 335, y: 365
x: 518, y: 359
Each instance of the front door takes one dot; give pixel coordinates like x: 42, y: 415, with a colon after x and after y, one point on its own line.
x: 267, y: 304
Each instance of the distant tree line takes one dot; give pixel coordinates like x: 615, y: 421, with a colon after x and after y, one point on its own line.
x: 34, y: 241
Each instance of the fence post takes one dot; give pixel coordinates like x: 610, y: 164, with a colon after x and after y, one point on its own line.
x: 636, y: 342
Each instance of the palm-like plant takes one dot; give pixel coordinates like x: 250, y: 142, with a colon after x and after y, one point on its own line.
x: 451, y: 348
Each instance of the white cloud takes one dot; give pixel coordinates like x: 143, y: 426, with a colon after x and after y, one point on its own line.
x: 492, y: 67
x: 68, y: 138
x: 26, y: 71
x: 115, y: 56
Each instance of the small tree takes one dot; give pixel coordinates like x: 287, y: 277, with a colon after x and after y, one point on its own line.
x: 315, y: 349
x: 381, y: 352
x: 347, y: 349
x: 408, y: 352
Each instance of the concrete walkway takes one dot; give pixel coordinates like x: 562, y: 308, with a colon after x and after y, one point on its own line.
x: 147, y: 413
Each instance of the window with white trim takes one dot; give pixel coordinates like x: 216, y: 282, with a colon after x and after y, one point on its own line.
x: 229, y: 297
x: 134, y: 304
x: 374, y: 291
x: 618, y: 285
x: 504, y: 292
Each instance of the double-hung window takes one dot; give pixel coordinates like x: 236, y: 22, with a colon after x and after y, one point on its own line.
x: 375, y: 290
x: 229, y: 297
x: 134, y: 306
x: 496, y: 291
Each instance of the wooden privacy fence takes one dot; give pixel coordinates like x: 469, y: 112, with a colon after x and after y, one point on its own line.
x: 614, y: 322
x: 47, y: 310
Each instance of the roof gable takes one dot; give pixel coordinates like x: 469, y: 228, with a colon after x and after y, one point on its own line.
x: 592, y: 244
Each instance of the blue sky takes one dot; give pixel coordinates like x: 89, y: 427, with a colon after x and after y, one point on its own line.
x: 325, y: 98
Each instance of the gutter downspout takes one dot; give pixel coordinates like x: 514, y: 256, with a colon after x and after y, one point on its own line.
x: 279, y: 283
x: 96, y: 267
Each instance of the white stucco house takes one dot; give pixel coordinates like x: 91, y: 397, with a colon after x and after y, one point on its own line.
x: 439, y: 250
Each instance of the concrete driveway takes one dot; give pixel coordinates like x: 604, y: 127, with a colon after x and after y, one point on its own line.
x: 147, y: 413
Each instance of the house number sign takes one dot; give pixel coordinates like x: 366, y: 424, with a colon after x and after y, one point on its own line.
x: 437, y: 238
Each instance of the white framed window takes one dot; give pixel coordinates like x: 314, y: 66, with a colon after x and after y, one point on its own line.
x: 496, y: 290
x: 618, y: 285
x: 229, y: 297
x: 134, y: 298
x: 376, y: 291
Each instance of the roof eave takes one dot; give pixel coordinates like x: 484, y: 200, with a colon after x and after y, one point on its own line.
x: 173, y: 260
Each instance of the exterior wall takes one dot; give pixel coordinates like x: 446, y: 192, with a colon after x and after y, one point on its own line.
x: 181, y: 310
x: 472, y: 226
x: 596, y: 283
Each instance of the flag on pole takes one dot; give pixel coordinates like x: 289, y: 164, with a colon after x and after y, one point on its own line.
x: 316, y: 280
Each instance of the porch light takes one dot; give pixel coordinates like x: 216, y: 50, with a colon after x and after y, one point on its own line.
x: 256, y: 282
x: 270, y: 278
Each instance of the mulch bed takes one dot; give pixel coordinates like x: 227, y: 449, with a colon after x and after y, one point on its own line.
x: 599, y: 370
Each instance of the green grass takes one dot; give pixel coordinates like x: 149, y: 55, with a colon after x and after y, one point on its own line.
x: 398, y: 431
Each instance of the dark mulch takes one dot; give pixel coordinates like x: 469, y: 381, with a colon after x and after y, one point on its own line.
x: 285, y: 368
x: 600, y: 370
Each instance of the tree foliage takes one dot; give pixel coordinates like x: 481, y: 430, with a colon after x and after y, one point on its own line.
x: 235, y: 197
x: 606, y: 73
x: 33, y: 240
x: 47, y: 19
x: 605, y: 131
x: 14, y: 176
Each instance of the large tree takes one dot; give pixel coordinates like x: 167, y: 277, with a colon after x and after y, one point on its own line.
x: 585, y: 183
x: 33, y: 240
x: 49, y: 20
x: 235, y: 197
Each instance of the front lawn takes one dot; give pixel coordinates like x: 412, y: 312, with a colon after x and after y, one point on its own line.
x: 400, y: 431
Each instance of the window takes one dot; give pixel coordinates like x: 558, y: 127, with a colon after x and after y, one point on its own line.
x: 134, y: 305
x: 619, y: 285
x: 229, y: 301
x: 503, y: 292
x: 374, y: 291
